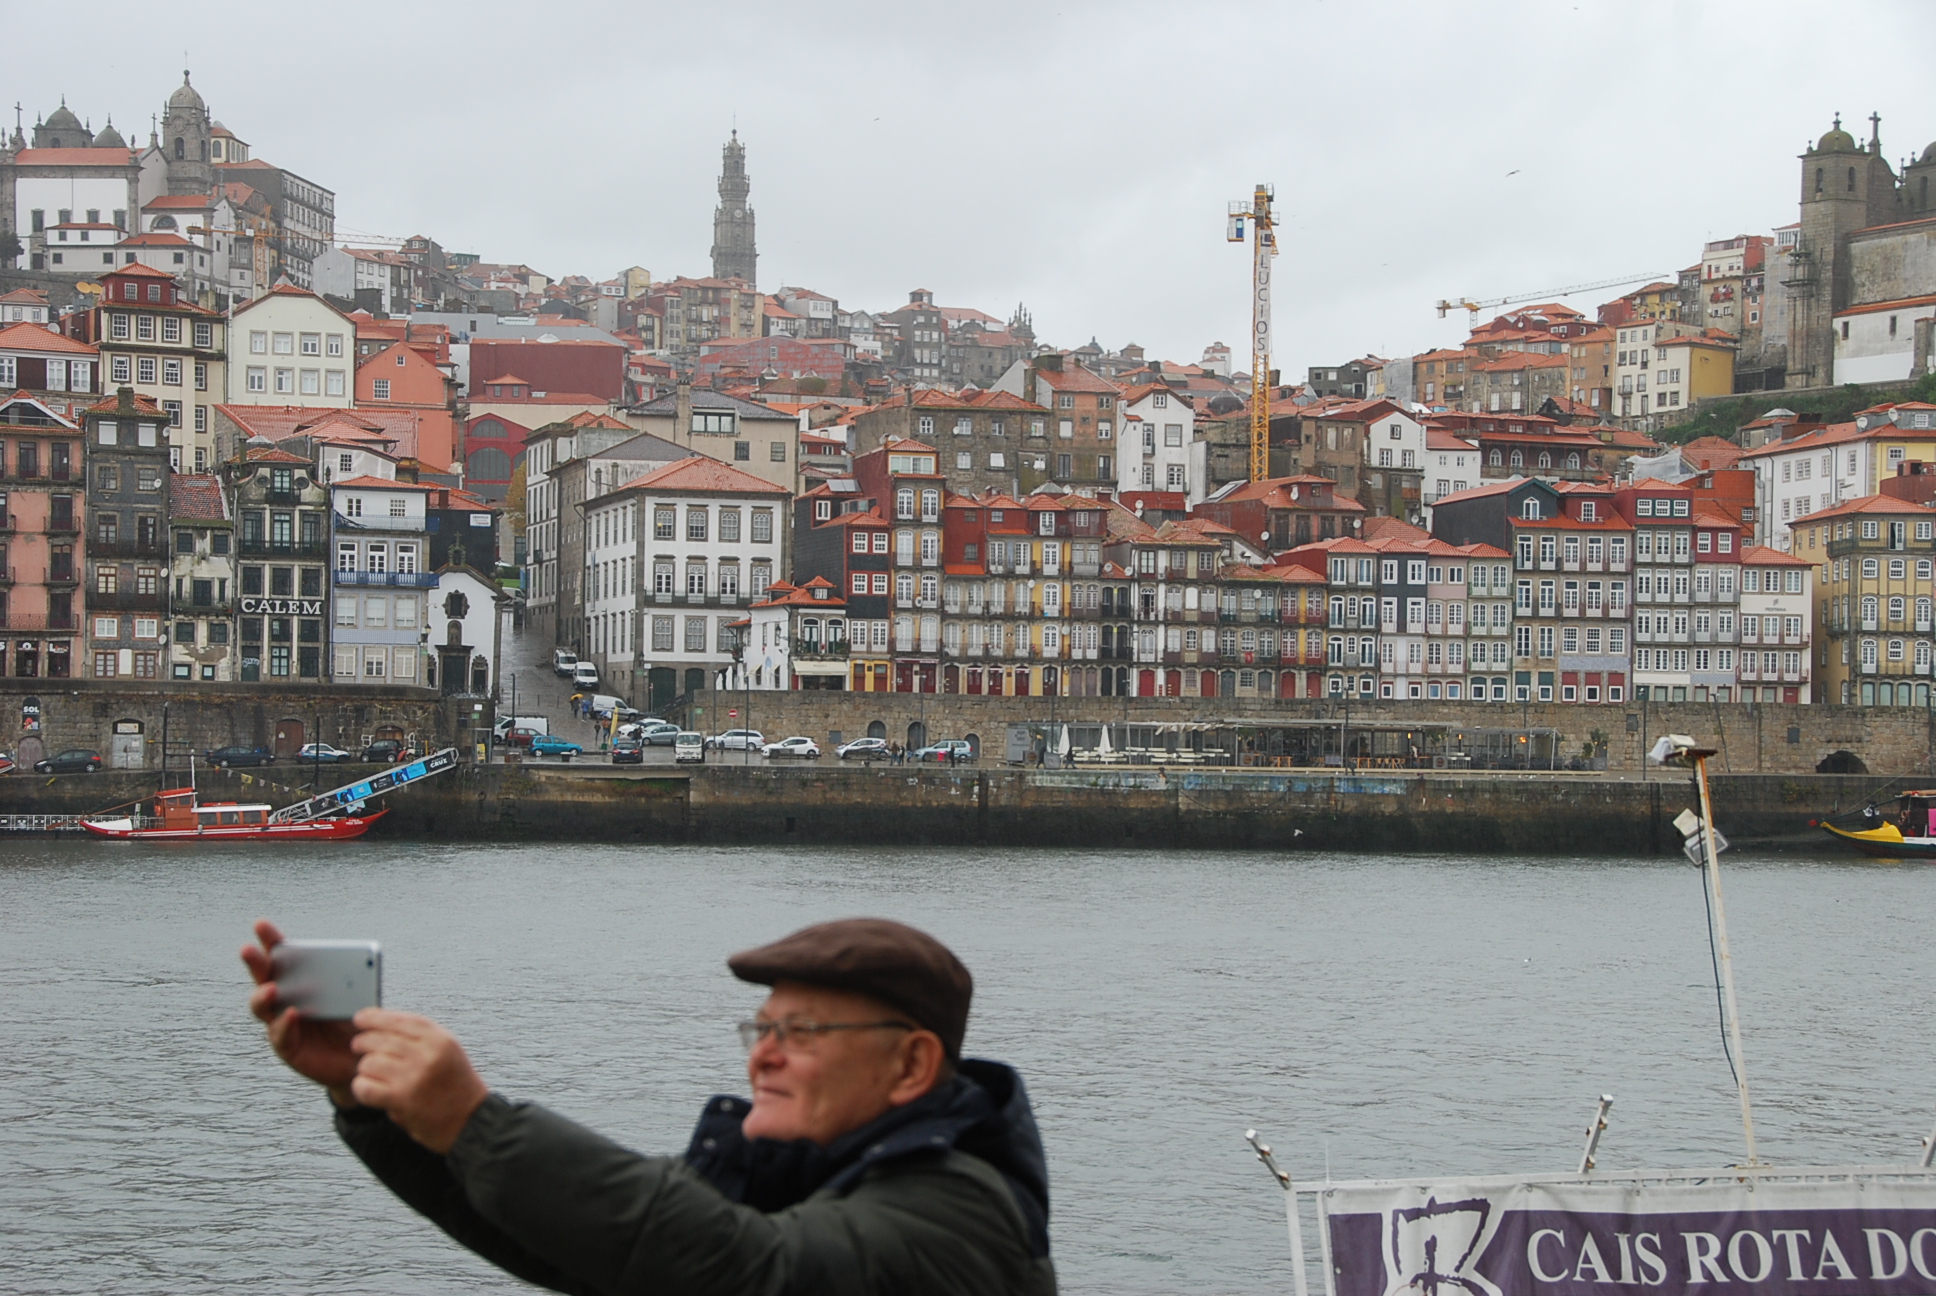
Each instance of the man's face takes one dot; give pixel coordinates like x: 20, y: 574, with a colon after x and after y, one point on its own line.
x: 820, y: 1088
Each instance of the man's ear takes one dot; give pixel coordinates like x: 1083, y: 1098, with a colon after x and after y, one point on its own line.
x: 923, y: 1064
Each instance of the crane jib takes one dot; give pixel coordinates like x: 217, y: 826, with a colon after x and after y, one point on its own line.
x: 328, y: 803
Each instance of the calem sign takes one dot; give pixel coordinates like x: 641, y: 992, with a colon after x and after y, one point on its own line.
x: 1668, y: 1235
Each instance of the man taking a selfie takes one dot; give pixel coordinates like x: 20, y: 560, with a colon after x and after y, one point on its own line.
x: 872, y: 1158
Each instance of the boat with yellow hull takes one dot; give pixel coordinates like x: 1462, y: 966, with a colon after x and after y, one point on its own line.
x: 1910, y: 833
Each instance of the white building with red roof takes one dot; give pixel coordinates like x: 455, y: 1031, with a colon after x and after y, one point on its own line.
x: 796, y: 637
x: 672, y: 559
x: 1158, y: 443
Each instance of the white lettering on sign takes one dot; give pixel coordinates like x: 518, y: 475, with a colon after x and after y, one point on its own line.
x: 281, y: 607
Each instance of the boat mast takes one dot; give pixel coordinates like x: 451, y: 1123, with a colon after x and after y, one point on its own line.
x: 1721, y: 940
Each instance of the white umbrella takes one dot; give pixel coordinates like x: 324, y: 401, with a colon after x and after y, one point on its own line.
x: 1105, y: 750
x: 1062, y: 747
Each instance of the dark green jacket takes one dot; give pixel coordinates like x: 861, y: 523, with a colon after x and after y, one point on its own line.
x: 946, y: 1195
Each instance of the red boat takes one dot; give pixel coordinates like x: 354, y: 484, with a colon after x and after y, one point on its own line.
x: 179, y: 816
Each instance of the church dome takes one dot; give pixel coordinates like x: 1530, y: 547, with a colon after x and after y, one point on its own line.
x: 1929, y: 154
x: 1837, y: 140
x: 109, y: 137
x: 185, y: 96
x: 63, y: 118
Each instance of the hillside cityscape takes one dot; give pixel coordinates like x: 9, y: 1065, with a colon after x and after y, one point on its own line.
x: 239, y: 450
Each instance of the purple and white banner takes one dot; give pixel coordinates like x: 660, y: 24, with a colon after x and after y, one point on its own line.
x: 1866, y: 1235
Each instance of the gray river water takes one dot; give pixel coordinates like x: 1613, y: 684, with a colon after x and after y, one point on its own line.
x: 1378, y: 1016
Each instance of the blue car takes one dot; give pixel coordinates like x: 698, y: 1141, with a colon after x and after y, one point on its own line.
x: 549, y: 745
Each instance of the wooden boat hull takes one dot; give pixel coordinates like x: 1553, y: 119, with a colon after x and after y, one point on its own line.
x: 1885, y: 842
x: 340, y: 829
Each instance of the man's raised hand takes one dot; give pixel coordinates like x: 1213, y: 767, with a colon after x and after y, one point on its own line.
x: 319, y: 1050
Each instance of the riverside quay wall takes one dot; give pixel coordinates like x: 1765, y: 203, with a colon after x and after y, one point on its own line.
x: 1749, y: 738
x: 1155, y: 807
x: 128, y: 723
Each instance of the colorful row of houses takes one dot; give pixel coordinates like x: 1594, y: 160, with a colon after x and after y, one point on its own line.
x: 309, y: 559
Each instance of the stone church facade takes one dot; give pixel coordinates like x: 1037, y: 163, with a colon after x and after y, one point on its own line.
x: 1861, y: 275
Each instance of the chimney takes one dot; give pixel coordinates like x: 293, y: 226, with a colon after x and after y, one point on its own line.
x: 682, y: 409
x: 124, y: 400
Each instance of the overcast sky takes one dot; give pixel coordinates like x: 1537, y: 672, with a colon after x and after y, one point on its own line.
x: 1076, y: 157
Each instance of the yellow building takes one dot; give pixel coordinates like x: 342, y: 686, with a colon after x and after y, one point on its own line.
x: 1873, y: 630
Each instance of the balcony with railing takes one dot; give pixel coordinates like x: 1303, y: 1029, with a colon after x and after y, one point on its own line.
x: 400, y: 580
x: 819, y: 650
x: 258, y: 547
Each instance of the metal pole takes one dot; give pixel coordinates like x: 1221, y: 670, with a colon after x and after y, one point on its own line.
x: 1727, y: 961
x: 1263, y: 1151
x: 1594, y: 1131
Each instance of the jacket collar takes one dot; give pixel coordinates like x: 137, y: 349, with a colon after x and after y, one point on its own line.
x: 983, y: 1111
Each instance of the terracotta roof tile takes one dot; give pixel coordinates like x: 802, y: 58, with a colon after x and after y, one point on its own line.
x: 197, y: 497
x: 28, y: 336
x: 700, y: 474
x: 379, y: 483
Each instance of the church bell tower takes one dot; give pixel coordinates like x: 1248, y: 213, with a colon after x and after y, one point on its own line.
x: 185, y: 130
x: 734, y: 256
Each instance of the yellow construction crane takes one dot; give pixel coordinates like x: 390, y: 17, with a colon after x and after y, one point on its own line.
x: 1474, y: 307
x: 1263, y: 234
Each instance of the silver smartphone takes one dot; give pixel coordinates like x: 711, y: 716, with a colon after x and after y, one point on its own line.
x: 329, y: 980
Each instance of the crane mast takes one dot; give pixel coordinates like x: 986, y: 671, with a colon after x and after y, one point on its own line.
x: 1263, y: 238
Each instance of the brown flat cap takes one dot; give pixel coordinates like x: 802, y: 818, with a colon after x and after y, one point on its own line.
x: 905, y: 969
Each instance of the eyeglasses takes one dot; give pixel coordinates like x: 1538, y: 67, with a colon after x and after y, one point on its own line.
x: 799, y: 1035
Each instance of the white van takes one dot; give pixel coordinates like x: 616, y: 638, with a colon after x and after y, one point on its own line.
x: 603, y: 704
x: 505, y: 724
x: 584, y: 675
x: 688, y: 747
x: 564, y: 661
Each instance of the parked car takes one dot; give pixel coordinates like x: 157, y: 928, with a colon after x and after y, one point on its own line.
x: 323, y: 754
x: 225, y: 757
x: 654, y: 733
x: 798, y: 748
x: 688, y: 747
x: 628, y: 751
x: 6, y: 762
x: 550, y: 745
x: 863, y: 749
x: 584, y: 675
x: 505, y: 724
x: 77, y: 760
x: 948, y: 751
x: 564, y: 661
x: 522, y: 737
x: 737, y: 740
x: 387, y: 751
